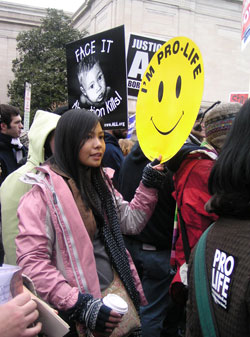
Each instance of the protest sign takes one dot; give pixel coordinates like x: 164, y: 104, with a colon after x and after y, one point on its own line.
x: 245, y: 24
x: 96, y: 73
x: 27, y: 100
x: 169, y: 98
x: 131, y: 126
x: 52, y: 324
x: 11, y: 283
x: 239, y: 97
x: 140, y: 51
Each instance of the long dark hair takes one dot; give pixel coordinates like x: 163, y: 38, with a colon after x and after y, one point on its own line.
x: 229, y: 181
x: 71, y: 133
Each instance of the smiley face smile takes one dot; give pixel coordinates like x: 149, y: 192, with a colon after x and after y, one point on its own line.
x: 167, y: 132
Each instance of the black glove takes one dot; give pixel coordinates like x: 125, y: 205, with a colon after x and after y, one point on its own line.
x: 90, y: 312
x: 102, y: 318
x: 153, y: 178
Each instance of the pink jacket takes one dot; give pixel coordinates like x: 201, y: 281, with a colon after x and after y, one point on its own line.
x: 53, y: 246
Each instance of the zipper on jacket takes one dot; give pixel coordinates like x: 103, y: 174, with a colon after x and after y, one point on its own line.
x: 54, y: 198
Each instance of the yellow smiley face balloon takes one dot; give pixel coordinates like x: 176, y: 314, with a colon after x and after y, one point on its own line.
x: 169, y: 98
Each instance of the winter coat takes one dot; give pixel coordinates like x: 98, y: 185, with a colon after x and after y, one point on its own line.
x: 13, y: 188
x: 8, y: 161
x: 53, y: 245
x: 159, y: 229
x: 113, y: 156
x: 191, y: 194
x: 228, y: 270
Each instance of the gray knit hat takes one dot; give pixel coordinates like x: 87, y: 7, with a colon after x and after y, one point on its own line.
x: 218, y: 122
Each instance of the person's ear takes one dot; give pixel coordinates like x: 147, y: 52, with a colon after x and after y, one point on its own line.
x: 4, y: 126
x: 83, y: 90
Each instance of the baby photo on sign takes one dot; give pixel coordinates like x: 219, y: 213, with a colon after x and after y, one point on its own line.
x: 96, y: 73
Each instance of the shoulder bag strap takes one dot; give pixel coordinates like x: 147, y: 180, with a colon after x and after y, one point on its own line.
x: 203, y: 298
x: 185, y: 241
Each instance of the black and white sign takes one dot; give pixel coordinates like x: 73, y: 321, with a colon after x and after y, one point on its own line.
x: 96, y: 72
x: 140, y: 51
x: 222, y: 271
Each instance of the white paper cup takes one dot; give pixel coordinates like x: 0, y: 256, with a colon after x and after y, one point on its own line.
x: 116, y: 303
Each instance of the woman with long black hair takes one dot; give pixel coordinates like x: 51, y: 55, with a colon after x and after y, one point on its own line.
x: 228, y: 241
x: 71, y: 223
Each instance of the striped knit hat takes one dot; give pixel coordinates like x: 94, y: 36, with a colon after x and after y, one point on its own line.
x: 218, y: 122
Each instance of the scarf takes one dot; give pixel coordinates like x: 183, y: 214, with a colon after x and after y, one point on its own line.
x: 110, y: 231
x: 112, y: 237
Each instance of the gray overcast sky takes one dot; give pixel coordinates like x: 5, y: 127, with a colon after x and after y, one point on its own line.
x: 66, y: 5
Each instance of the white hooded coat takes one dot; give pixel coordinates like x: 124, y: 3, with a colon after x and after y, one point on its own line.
x: 13, y: 188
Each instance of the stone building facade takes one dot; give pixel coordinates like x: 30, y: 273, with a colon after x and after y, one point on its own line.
x: 13, y: 19
x: 214, y: 25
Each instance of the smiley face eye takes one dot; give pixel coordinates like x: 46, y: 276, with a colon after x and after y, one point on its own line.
x: 178, y: 86
x: 160, y: 91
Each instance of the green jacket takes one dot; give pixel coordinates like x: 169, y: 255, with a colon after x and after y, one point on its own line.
x: 13, y: 188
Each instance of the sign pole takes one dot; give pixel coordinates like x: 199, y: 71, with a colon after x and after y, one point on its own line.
x: 27, y: 98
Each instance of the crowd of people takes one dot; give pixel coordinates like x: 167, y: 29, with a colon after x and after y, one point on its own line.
x: 84, y: 218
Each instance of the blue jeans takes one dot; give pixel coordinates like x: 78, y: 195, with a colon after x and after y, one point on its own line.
x: 155, y: 273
